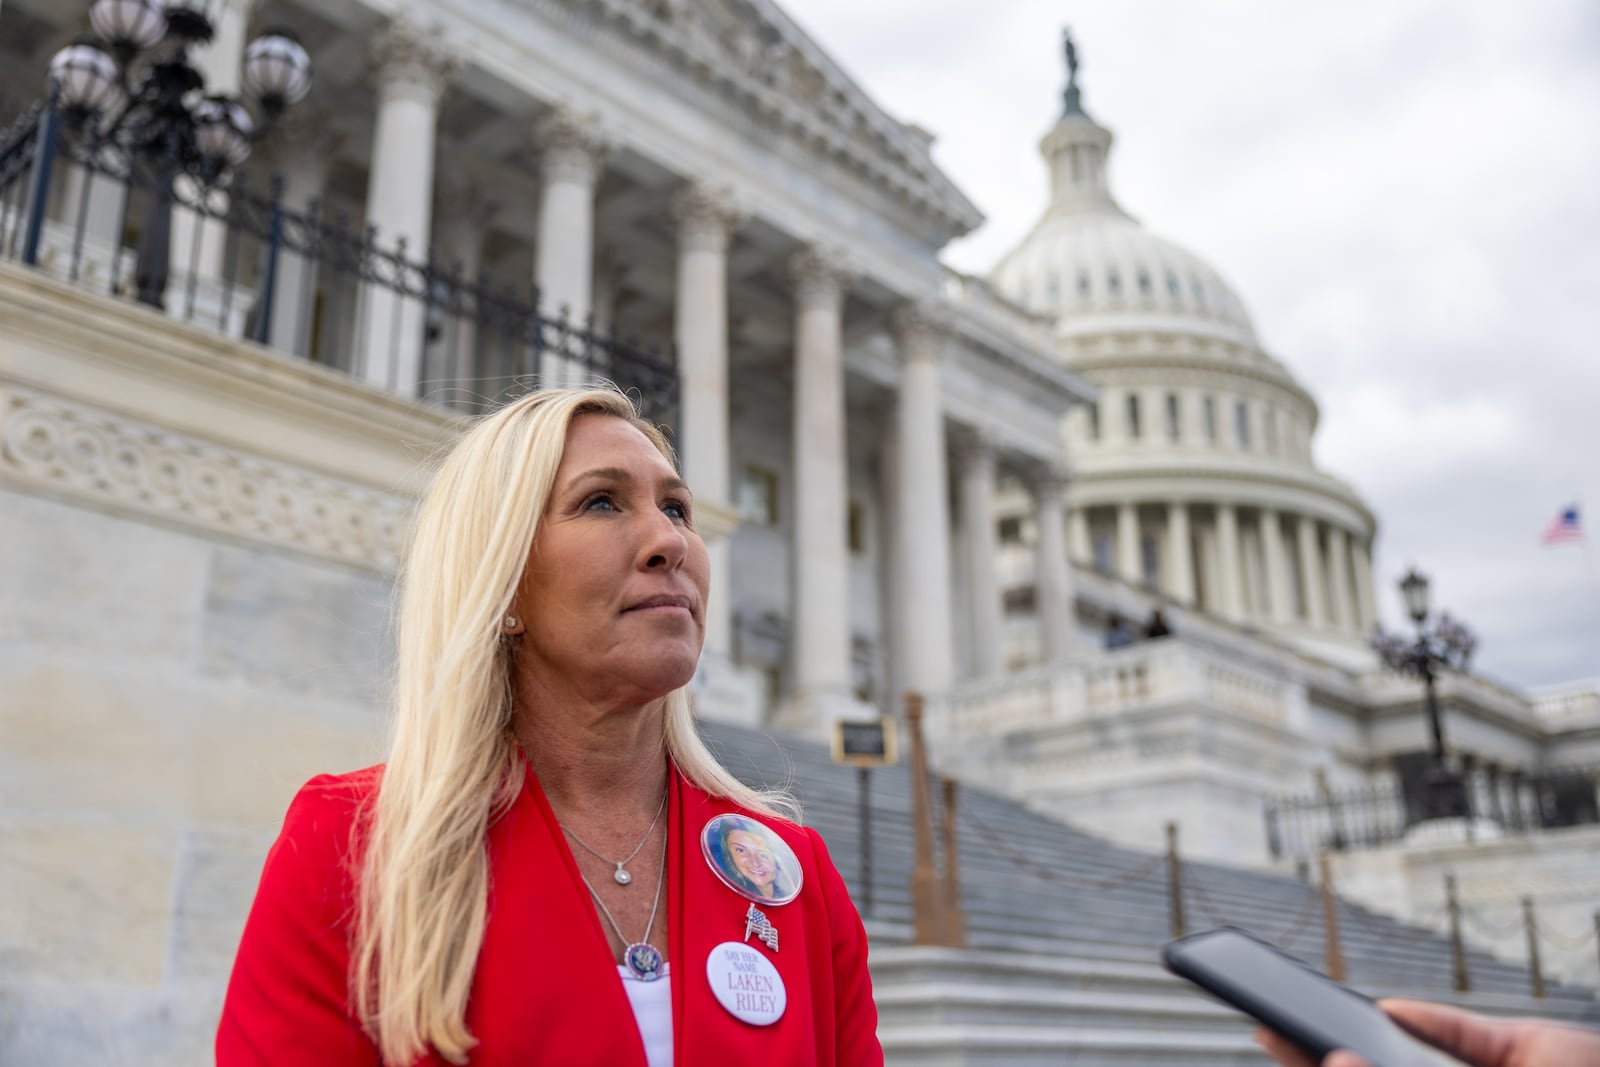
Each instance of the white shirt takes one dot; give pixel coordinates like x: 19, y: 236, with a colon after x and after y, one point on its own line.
x: 652, y: 1010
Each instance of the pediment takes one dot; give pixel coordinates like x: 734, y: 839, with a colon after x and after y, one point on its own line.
x: 753, y: 49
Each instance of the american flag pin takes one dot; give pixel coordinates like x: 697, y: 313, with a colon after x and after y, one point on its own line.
x: 758, y: 924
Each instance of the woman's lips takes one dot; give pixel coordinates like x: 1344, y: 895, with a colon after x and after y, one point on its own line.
x: 665, y: 604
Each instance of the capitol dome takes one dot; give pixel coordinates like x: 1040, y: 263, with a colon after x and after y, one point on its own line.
x: 1093, y: 266
x: 1194, y: 475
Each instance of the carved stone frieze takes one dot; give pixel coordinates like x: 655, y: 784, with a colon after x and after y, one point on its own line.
x: 81, y: 451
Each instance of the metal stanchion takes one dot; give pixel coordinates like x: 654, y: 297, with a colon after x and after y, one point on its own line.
x: 1174, y: 880
x: 1333, y: 952
x: 955, y: 920
x: 1535, y: 972
x: 927, y: 924
x: 1463, y: 980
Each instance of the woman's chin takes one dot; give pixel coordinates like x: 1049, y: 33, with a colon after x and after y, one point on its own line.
x: 666, y: 675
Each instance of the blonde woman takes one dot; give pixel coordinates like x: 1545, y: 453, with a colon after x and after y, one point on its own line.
x: 521, y: 883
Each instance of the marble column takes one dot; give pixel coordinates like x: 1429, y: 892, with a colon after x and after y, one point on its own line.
x: 610, y: 275
x: 922, y: 561
x: 463, y: 216
x: 1209, y: 587
x: 1128, y: 562
x: 1341, y: 604
x: 571, y: 151
x: 1311, y: 575
x: 198, y: 244
x: 819, y: 550
x: 410, y: 68
x: 1081, y: 551
x: 1230, y: 603
x: 1179, y: 572
x: 1114, y: 416
x: 978, y: 532
x: 705, y: 220
x: 1058, y: 629
x: 1366, y: 603
x: 304, y: 144
x: 1280, y: 605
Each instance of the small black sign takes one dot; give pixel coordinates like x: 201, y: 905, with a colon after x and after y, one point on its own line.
x: 864, y: 743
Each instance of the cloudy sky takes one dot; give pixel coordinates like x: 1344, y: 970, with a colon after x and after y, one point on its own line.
x: 1406, y: 195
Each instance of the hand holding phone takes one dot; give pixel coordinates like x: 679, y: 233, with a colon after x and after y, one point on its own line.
x: 1309, y: 1009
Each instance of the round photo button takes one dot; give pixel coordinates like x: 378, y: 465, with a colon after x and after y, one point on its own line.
x: 751, y: 859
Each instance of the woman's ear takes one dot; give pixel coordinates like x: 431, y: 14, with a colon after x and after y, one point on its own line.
x: 511, y: 625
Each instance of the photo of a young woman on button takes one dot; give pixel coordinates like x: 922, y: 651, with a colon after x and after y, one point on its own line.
x: 751, y: 859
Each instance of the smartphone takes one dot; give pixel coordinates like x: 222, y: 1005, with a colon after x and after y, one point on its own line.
x: 1306, y: 1007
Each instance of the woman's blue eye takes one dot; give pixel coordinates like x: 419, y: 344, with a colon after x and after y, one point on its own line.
x: 595, y: 503
x: 677, y: 509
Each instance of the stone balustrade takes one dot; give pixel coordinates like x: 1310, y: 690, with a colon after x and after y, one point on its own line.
x: 1167, y: 672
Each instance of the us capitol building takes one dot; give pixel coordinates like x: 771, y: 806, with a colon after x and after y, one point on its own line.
x: 910, y: 479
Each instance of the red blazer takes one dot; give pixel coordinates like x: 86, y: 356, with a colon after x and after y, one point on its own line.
x: 547, y: 989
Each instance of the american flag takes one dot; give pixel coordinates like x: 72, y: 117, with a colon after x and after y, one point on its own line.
x: 1565, y: 528
x: 758, y: 924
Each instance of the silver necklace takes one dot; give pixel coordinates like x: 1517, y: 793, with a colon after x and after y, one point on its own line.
x: 641, y: 958
x: 621, y: 875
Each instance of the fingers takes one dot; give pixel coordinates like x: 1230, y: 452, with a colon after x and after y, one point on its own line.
x: 1458, y: 1032
x: 1289, y: 1055
x: 1286, y: 1054
x: 1461, y: 1033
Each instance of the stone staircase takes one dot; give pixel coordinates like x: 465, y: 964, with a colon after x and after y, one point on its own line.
x: 1064, y: 929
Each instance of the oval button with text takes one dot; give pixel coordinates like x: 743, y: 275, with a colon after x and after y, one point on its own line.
x: 746, y: 983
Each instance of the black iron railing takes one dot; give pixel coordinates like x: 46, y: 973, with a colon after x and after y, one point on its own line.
x: 300, y: 279
x: 1495, y: 802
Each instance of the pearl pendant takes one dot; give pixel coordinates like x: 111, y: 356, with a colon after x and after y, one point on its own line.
x: 621, y: 877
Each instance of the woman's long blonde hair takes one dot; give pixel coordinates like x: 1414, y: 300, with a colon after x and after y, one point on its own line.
x: 423, y: 875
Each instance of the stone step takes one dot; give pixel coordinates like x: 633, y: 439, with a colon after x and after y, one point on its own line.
x: 1033, y: 885
x: 951, y: 1006
x: 979, y: 1003
x: 976, y: 1045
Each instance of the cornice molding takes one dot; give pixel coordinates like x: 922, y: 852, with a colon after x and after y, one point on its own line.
x: 749, y: 52
x: 1197, y: 369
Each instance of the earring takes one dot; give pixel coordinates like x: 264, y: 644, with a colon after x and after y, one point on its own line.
x: 511, y: 623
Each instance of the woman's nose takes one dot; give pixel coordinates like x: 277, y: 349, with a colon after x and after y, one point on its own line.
x: 665, y: 544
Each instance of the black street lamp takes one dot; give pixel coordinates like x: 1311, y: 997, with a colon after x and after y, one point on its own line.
x: 1447, y: 644
x: 134, y: 87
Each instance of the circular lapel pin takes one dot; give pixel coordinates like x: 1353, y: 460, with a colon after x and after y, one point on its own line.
x: 751, y: 859
x: 746, y: 983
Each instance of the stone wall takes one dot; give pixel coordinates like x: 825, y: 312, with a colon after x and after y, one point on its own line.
x: 1559, y: 869
x: 196, y: 543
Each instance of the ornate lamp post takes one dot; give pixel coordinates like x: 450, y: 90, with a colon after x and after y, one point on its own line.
x: 1447, y: 644
x: 133, y: 86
